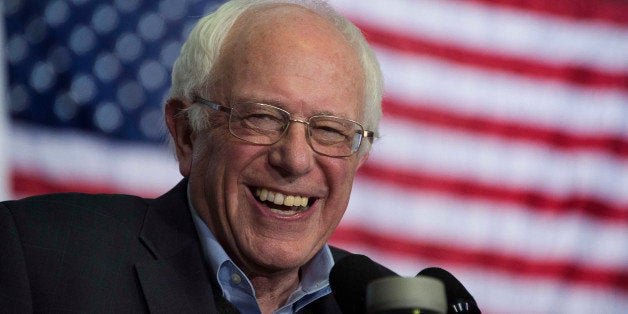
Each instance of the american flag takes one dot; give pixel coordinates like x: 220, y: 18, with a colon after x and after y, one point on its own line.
x: 504, y: 148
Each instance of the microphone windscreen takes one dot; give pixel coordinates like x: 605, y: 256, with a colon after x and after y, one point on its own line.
x: 349, y: 279
x: 420, y: 294
x: 458, y: 298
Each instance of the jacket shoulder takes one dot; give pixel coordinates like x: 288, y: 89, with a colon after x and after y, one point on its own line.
x: 73, y: 199
x: 77, y: 209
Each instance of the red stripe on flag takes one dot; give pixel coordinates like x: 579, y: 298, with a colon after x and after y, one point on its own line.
x: 29, y: 183
x: 429, y: 114
x: 414, y: 180
x: 579, y: 75
x: 612, y: 11
x: 555, y: 270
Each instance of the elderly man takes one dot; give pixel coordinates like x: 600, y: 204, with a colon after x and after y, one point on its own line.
x: 273, y: 107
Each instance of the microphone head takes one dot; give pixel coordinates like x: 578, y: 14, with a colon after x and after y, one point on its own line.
x: 458, y: 298
x: 349, y: 279
x: 420, y: 294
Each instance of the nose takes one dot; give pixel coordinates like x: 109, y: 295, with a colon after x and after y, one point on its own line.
x: 292, y: 155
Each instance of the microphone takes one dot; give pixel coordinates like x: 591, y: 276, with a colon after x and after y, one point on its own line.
x: 361, y: 285
x: 458, y: 298
x: 399, y: 295
x: 349, y: 279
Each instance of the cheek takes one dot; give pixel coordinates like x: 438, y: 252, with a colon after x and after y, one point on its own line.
x: 340, y: 174
x: 215, y: 177
x: 209, y: 168
x: 218, y: 154
x: 207, y: 160
x: 204, y: 176
x: 237, y: 161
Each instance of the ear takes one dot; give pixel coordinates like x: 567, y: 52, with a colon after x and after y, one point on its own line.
x: 181, y: 133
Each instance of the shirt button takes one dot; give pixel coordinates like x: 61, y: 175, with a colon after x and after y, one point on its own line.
x: 235, y: 278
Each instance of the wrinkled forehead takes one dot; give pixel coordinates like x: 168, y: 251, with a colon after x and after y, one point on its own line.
x: 270, y: 19
x: 291, y: 39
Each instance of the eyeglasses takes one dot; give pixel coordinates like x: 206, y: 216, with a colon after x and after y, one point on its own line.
x: 265, y: 124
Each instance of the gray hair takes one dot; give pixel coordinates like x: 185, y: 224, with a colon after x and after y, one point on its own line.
x: 193, y: 72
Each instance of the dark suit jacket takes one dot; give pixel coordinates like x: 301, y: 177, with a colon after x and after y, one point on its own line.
x: 65, y: 253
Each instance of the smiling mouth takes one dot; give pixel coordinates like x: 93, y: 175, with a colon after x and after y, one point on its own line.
x: 282, y: 204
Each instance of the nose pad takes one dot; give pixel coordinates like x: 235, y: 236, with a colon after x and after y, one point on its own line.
x: 293, y: 153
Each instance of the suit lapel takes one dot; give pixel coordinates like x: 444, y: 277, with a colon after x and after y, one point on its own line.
x: 176, y: 279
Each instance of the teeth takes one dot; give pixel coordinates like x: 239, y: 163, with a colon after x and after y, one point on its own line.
x: 287, y: 212
x: 280, y: 199
x: 263, y: 194
x: 304, y: 201
x: 289, y: 201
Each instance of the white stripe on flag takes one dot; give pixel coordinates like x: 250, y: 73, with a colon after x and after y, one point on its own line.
x: 501, y: 162
x: 520, y: 33
x: 504, y: 96
x: 425, y: 216
x: 67, y: 157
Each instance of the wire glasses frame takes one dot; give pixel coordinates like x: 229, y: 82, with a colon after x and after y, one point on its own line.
x: 265, y: 124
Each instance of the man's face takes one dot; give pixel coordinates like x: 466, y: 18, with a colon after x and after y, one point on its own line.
x: 299, y: 63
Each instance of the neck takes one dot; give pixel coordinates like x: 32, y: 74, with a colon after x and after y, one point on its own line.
x: 273, y: 291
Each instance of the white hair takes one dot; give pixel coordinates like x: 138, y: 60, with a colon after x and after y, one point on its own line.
x: 193, y: 72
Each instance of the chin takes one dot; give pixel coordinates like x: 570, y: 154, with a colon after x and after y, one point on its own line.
x: 284, y: 256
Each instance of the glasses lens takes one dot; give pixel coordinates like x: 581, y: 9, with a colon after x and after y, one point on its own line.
x: 334, y: 136
x: 257, y: 123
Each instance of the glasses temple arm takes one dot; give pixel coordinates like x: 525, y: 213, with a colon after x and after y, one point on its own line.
x: 212, y: 105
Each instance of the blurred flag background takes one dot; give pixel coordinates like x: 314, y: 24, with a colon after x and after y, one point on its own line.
x: 503, y: 154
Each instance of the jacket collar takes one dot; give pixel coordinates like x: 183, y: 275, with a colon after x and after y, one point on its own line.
x: 175, y: 279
